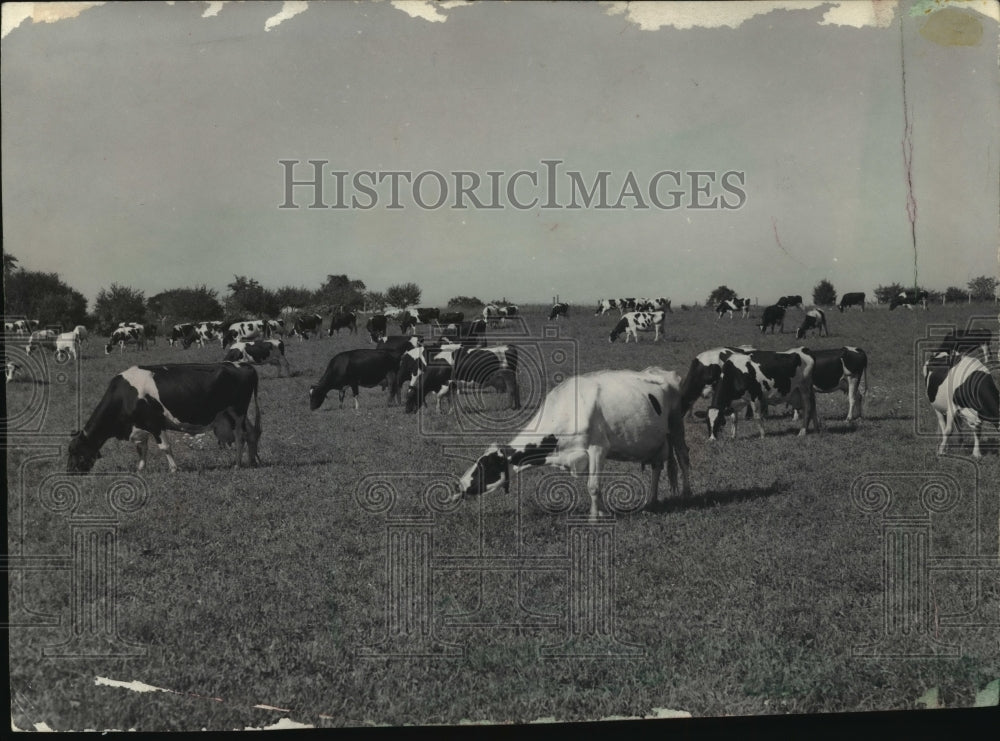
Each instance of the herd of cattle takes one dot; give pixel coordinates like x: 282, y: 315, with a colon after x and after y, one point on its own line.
x: 588, y: 419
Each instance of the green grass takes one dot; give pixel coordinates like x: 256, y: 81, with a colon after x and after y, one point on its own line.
x: 260, y: 586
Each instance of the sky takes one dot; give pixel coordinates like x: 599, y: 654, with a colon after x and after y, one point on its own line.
x: 142, y: 145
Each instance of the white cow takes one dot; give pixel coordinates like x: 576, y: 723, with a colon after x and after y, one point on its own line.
x: 66, y: 345
x: 619, y: 415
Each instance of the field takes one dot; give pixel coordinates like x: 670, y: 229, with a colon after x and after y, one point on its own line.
x: 268, y: 587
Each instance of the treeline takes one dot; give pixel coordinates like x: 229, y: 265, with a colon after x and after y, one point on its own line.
x: 982, y: 288
x: 44, y: 296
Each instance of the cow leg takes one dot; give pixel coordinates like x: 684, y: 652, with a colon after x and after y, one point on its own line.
x: 354, y: 390
x: 141, y: 441
x: 164, y: 444
x: 343, y: 393
x: 595, y: 454
x: 815, y: 411
x: 853, y: 397
x: 944, y: 427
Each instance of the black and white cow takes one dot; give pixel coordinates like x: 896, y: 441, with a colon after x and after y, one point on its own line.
x: 377, y: 327
x: 451, y: 317
x: 731, y: 306
x: 663, y: 304
x: 184, y: 333
x: 644, y: 304
x: 427, y: 315
x: 123, y: 336
x: 345, y: 320
x: 44, y: 339
x: 252, y: 329
x: 491, y: 315
x: 605, y: 305
x: 851, y: 299
x: 558, y: 310
x: 146, y: 401
x: 787, y: 302
x: 397, y: 346
x: 767, y: 378
x: 774, y: 316
x: 353, y: 369
x: 23, y: 327
x: 407, y: 323
x: 619, y: 415
x: 305, y: 324
x: 960, y: 387
x: 450, y: 369
x: 840, y: 369
x: 638, y: 321
x: 259, y: 352
x: 909, y: 299
x: 67, y: 345
x: 704, y: 372
x: 961, y: 341
x: 815, y: 320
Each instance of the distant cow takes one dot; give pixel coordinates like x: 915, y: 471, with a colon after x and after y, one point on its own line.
x: 426, y: 316
x: 22, y: 327
x: 774, y: 316
x: 704, y: 372
x: 259, y: 352
x: 787, y: 302
x: 909, y: 299
x: 184, y: 333
x: 558, y: 310
x: 252, y: 329
x: 815, y: 320
x: 638, y: 321
x: 663, y: 304
x: 305, y: 324
x: 346, y: 320
x: 467, y: 334
x: 450, y: 368
x: 146, y: 401
x: 491, y: 314
x: 352, y: 369
x: 840, y: 368
x: 42, y: 338
x: 961, y: 387
x: 731, y: 306
x: 377, y: 326
x: 66, y: 345
x: 605, y: 305
x: 407, y: 323
x: 126, y: 336
x: 851, y: 299
x: 619, y: 415
x: 766, y: 377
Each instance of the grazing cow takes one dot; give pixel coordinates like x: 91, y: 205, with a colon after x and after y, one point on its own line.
x: 704, y: 372
x: 146, y: 401
x: 663, y: 304
x: 768, y: 377
x: 961, y: 387
x: 787, y: 302
x: 397, y: 346
x: 451, y: 317
x: 426, y: 316
x: 259, y: 352
x: 774, y: 316
x: 839, y: 369
x: 81, y: 332
x: 638, y: 321
x: 851, y: 299
x: 815, y: 320
x: 618, y: 415
x: 377, y: 326
x: 731, y: 306
x: 22, y: 327
x: 303, y: 324
x: 961, y: 341
x: 450, y: 368
x: 42, y: 338
x: 558, y: 310
x: 346, y: 320
x: 355, y: 368
x: 605, y: 305
x: 123, y: 336
x: 644, y: 304
x: 909, y: 299
x: 208, y: 331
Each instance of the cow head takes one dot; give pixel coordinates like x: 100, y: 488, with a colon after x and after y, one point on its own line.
x: 316, y: 398
x: 619, y: 328
x: 487, y: 474
x: 82, y: 454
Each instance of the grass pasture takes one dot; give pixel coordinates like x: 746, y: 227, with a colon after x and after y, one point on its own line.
x: 262, y: 587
